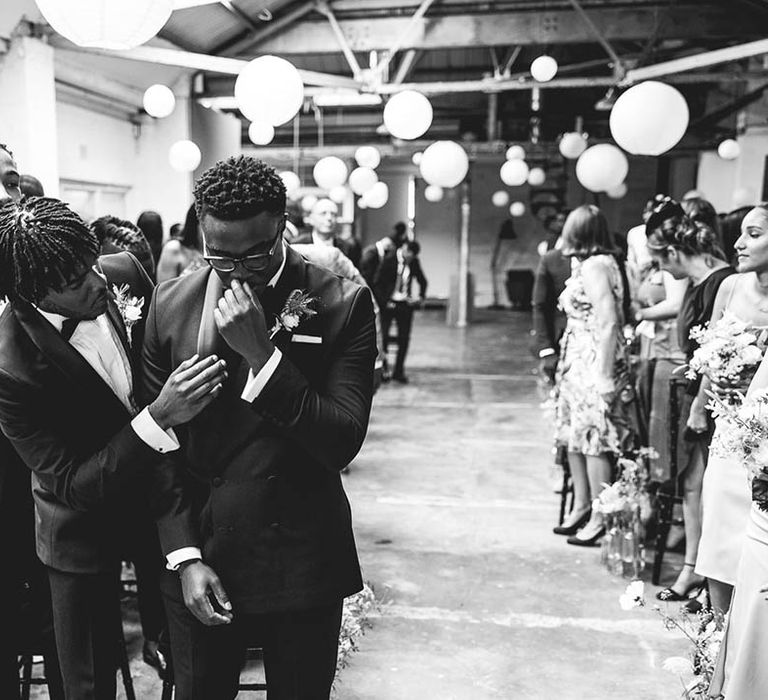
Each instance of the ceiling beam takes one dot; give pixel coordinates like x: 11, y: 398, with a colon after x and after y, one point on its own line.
x: 313, y: 36
x: 406, y: 64
x: 717, y: 115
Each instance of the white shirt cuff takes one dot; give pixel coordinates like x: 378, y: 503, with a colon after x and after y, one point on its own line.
x: 546, y: 352
x: 178, y: 556
x: 256, y: 383
x: 150, y: 432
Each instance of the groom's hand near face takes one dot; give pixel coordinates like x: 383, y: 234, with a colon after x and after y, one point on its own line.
x: 240, y: 320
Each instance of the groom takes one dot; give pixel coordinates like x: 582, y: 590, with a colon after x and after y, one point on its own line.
x: 253, y: 519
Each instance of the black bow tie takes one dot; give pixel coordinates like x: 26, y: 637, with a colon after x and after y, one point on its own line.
x: 68, y: 327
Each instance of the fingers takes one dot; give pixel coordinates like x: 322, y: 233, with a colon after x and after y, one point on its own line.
x: 208, y: 392
x: 221, y: 594
x: 254, y: 300
x: 186, y: 364
x: 239, y: 294
x: 216, y: 373
x: 202, y: 609
x: 182, y: 375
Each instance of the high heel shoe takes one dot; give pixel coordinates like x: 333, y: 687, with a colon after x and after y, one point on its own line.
x: 669, y: 595
x: 573, y: 529
x: 591, y: 542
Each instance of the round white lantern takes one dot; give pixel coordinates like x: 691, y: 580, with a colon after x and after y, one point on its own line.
x: 308, y: 201
x: 361, y: 203
x: 514, y: 173
x: 107, y: 24
x: 377, y: 196
x: 649, y: 118
x: 184, y: 156
x: 368, y: 157
x: 517, y: 208
x: 537, y: 177
x: 338, y: 194
x: 572, y: 145
x: 330, y: 172
x: 416, y: 158
x: 159, y: 101
x: 408, y: 115
x: 261, y: 133
x: 602, y: 167
x: 433, y: 193
x: 291, y: 181
x: 362, y: 179
x: 544, y: 68
x: 729, y: 149
x: 500, y: 198
x: 617, y: 192
x: 515, y: 153
x: 444, y: 163
x: 270, y: 90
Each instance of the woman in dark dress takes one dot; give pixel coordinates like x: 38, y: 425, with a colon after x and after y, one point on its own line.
x: 689, y: 249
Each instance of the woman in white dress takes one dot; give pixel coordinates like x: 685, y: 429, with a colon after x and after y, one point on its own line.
x: 725, y: 496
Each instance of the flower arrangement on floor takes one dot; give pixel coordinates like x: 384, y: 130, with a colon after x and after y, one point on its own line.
x: 704, y: 630
x: 625, y: 506
x: 355, y: 619
x: 727, y: 349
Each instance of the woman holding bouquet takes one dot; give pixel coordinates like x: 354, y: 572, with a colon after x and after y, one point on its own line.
x: 592, y: 380
x: 688, y: 249
x: 725, y: 495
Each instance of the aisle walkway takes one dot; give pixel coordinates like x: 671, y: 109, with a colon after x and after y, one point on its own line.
x: 453, y: 514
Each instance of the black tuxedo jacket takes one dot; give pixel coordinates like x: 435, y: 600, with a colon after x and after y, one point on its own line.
x: 369, y: 264
x: 257, y: 486
x: 71, y: 430
x: 385, y: 279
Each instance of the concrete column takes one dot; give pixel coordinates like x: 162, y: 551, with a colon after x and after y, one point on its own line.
x: 28, y: 109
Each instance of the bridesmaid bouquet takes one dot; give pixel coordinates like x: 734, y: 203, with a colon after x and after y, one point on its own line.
x: 727, y: 350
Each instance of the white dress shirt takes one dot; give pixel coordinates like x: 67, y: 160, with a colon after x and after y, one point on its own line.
x: 317, y: 239
x: 403, y: 275
x: 97, y: 341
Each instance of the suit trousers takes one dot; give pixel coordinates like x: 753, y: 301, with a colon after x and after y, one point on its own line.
x: 299, y: 648
x: 402, y: 313
x: 86, y: 619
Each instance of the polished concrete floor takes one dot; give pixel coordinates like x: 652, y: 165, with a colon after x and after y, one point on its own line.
x: 453, y: 508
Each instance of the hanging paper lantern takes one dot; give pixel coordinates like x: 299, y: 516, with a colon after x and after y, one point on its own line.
x: 500, y: 198
x: 514, y: 173
x: 433, y: 193
x: 330, y: 172
x: 515, y: 153
x: 544, y: 68
x: 362, y: 179
x: 729, y: 149
x: 618, y: 192
x: 106, y: 24
x: 602, y: 167
x: 537, y: 177
x: 649, y: 118
x: 408, y: 115
x: 361, y: 203
x: 444, y: 163
x: 517, y: 209
x: 184, y: 156
x: 261, y: 133
x: 159, y: 101
x: 308, y: 201
x: 291, y: 181
x: 572, y: 145
x: 416, y: 158
x: 338, y: 194
x: 368, y: 157
x: 377, y: 196
x: 270, y: 90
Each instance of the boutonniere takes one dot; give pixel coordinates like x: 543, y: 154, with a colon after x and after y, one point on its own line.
x: 3, y: 302
x: 128, y: 306
x: 297, y: 307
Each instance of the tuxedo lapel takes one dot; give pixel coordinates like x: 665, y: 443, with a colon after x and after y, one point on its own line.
x: 119, y: 325
x: 86, y: 381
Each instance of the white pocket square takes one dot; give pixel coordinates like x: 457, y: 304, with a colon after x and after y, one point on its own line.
x: 311, y: 339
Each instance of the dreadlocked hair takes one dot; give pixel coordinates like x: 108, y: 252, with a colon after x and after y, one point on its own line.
x: 238, y: 188
x: 5, y: 148
x: 120, y: 233
x: 43, y: 243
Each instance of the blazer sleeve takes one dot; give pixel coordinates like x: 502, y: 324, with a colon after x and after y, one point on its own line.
x: 80, y: 482
x: 169, y: 494
x: 330, y: 423
x: 543, y: 333
x: 418, y: 274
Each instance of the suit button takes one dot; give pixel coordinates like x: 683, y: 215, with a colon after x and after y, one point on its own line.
x: 217, y: 481
x: 271, y: 479
x: 275, y: 526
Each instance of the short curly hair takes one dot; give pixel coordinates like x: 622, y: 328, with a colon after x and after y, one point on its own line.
x: 238, y: 188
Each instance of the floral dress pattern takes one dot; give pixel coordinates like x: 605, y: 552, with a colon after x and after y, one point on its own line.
x: 584, y: 422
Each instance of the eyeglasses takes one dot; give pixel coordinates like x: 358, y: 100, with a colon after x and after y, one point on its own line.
x: 252, y: 263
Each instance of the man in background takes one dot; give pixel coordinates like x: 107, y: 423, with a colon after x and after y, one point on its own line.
x: 324, y: 218
x: 374, y: 254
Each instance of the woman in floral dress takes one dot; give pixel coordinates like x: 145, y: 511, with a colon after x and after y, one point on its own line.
x: 592, y: 382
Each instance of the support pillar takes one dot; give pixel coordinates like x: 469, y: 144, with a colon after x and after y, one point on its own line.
x: 460, y: 303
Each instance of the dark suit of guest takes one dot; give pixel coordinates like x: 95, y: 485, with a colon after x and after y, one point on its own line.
x: 75, y: 434
x: 549, y: 321
x: 257, y: 486
x: 349, y: 246
x: 370, y: 260
x: 393, y: 284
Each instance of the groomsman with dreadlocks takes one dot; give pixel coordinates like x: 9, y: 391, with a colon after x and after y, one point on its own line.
x: 68, y: 359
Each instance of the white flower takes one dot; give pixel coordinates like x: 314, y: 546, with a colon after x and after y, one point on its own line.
x: 290, y: 321
x: 636, y: 589
x: 760, y: 455
x: 132, y: 313
x: 633, y: 596
x: 745, y: 339
x: 627, y: 602
x: 751, y: 355
x: 678, y: 665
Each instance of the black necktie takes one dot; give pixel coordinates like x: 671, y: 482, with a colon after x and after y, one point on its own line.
x: 68, y: 327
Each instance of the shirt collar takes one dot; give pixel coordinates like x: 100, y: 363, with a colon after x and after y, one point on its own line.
x: 273, y: 282
x: 56, y: 320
